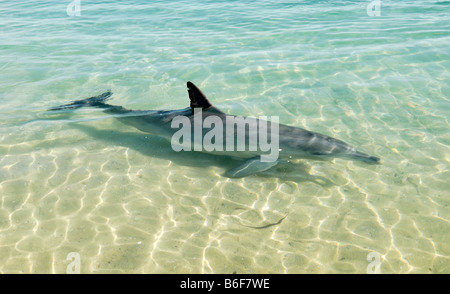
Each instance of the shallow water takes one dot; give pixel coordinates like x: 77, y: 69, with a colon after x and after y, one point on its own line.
x: 126, y: 203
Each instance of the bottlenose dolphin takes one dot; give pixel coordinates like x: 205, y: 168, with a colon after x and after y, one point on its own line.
x: 292, y: 142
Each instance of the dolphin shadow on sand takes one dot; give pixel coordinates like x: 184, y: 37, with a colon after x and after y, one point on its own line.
x: 156, y: 147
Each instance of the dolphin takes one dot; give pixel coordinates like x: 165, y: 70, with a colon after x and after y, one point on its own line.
x: 292, y: 142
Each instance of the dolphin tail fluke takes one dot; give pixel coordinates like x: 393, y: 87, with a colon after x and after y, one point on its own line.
x: 96, y: 101
x: 366, y: 158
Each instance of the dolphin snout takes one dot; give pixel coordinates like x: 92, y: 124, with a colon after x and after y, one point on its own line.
x: 366, y: 158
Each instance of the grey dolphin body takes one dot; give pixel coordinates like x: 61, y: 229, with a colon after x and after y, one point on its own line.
x: 293, y: 142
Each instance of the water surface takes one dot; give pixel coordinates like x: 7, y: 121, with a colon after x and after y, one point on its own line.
x: 126, y: 203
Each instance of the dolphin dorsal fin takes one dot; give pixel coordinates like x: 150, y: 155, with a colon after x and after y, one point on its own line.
x: 198, y: 99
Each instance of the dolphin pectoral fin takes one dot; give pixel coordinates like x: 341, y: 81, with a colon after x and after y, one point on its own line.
x: 249, y: 167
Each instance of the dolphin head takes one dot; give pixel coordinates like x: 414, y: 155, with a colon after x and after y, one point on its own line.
x: 299, y: 143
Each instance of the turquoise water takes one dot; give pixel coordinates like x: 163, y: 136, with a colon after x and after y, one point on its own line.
x: 125, y: 203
